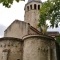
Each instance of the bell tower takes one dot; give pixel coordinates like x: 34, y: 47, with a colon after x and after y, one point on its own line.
x: 32, y: 12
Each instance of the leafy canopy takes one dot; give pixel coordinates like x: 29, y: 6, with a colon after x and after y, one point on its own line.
x: 50, y: 10
x: 8, y: 3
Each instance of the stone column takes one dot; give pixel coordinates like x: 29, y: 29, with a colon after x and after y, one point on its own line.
x: 54, y: 54
x: 49, y: 53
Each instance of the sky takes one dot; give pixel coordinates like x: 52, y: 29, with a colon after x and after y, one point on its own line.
x: 8, y: 15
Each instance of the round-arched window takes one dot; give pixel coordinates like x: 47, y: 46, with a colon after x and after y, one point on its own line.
x: 38, y: 7
x: 30, y: 6
x: 35, y: 6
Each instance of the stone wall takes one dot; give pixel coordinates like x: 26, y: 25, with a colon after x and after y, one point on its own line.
x: 10, y: 49
x: 38, y: 48
x: 17, y: 29
x: 31, y: 47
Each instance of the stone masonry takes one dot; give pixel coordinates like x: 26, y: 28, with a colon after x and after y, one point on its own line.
x: 23, y: 40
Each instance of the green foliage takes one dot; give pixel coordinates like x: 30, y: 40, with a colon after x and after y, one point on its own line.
x: 44, y: 12
x: 58, y: 39
x: 50, y: 10
x: 54, y: 13
x: 8, y: 3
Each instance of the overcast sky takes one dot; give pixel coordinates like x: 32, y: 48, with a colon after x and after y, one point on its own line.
x: 8, y: 15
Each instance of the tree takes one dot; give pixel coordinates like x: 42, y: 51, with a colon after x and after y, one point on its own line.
x: 8, y: 3
x: 50, y: 10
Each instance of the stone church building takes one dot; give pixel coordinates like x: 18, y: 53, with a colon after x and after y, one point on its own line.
x: 23, y: 40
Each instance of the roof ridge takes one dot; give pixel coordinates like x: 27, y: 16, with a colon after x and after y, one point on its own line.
x: 16, y: 20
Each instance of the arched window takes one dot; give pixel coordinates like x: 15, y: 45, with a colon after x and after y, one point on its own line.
x: 30, y: 6
x: 27, y: 8
x: 34, y: 6
x: 38, y: 7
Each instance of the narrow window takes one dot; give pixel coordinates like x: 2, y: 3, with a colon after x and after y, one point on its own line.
x: 30, y: 6
x: 27, y: 8
x: 34, y: 6
x: 18, y: 59
x: 38, y: 7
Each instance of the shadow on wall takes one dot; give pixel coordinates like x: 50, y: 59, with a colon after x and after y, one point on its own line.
x: 58, y: 51
x: 2, y: 28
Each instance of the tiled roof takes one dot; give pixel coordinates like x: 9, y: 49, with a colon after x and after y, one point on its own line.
x: 55, y: 33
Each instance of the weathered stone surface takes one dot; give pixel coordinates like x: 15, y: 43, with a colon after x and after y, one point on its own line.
x: 23, y: 40
x: 10, y: 49
x: 32, y: 15
x: 17, y: 29
x: 38, y: 48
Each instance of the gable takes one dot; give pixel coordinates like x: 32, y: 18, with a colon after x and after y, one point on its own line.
x: 18, y: 29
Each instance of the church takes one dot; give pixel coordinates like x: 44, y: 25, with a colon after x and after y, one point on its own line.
x: 23, y: 40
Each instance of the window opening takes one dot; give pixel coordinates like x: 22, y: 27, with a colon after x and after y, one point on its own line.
x: 38, y: 7
x: 34, y: 6
x: 18, y: 59
x: 27, y: 8
x: 30, y: 6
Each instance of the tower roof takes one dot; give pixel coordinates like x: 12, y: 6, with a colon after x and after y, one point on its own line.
x: 33, y: 0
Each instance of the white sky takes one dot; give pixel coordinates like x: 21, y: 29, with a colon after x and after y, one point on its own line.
x: 8, y: 15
